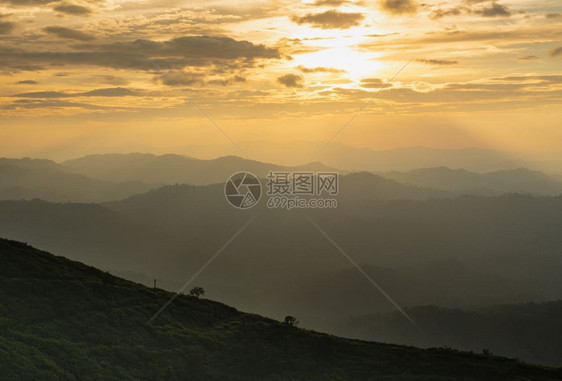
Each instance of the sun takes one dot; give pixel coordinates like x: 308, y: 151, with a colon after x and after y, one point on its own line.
x: 353, y: 64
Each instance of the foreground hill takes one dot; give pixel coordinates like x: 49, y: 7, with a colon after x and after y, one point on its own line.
x: 62, y: 320
x: 529, y: 331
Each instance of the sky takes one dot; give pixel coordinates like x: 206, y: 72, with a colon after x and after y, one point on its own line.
x: 80, y: 77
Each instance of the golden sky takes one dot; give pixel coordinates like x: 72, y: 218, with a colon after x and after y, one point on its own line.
x: 83, y: 76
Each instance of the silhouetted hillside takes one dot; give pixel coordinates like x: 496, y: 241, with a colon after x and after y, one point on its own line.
x: 62, y: 320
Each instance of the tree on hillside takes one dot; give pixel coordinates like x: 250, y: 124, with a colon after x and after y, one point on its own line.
x: 197, y: 292
x: 291, y: 321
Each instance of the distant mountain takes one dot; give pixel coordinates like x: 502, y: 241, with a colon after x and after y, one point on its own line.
x: 173, y: 169
x: 519, y: 180
x: 528, y: 331
x: 62, y: 320
x: 343, y: 156
x: 408, y: 158
x: 47, y: 180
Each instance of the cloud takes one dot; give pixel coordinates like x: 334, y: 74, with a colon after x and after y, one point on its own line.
x: 528, y: 58
x: 374, y: 83
x: 27, y: 82
x: 68, y: 33
x: 109, y: 79
x: 332, y: 3
x: 41, y: 94
x: 440, y: 13
x: 227, y: 81
x: 181, y: 78
x: 556, y: 52
x: 398, y: 7
x: 331, y: 19
x: 197, y: 51
x: 531, y: 78
x: 26, y: 3
x: 494, y: 10
x: 6, y: 27
x: 291, y: 80
x: 72, y: 9
x: 319, y: 69
x: 437, y: 62
x: 553, y: 15
x: 107, y: 92
x: 48, y: 104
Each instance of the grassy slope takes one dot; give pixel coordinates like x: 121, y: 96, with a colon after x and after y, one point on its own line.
x: 62, y: 320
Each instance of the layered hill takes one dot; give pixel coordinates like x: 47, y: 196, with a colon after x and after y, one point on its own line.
x: 173, y: 169
x: 47, y: 180
x: 520, y: 180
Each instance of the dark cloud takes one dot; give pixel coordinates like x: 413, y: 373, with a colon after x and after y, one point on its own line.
x: 319, y: 69
x: 27, y: 82
x: 331, y: 19
x: 494, y: 10
x: 553, y: 15
x: 72, y: 9
x: 437, y: 62
x: 6, y: 27
x: 68, y: 33
x: 398, y: 7
x: 556, y: 52
x: 223, y: 52
x: 291, y: 80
